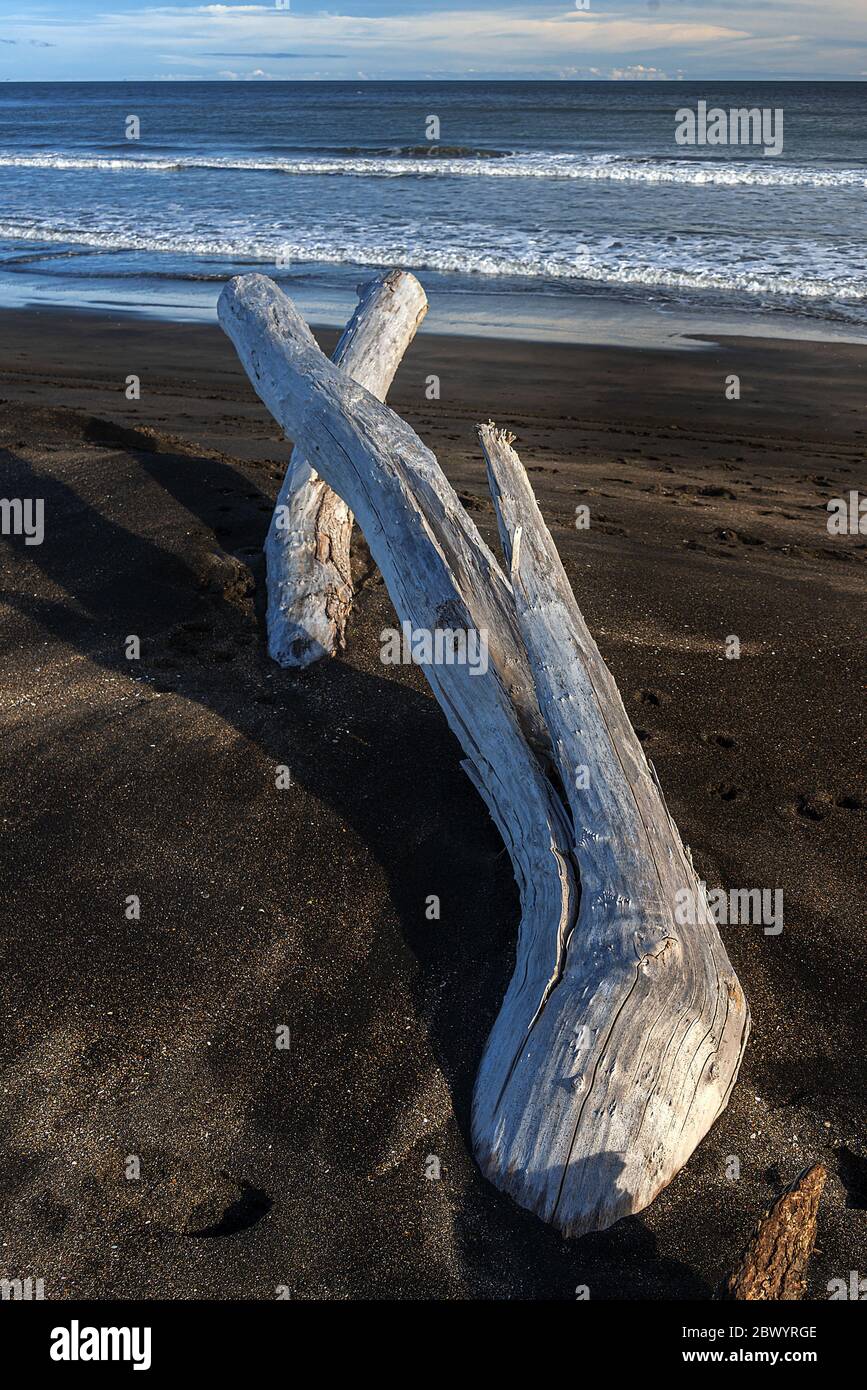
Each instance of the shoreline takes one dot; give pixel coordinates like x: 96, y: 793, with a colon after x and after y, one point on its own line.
x: 60, y: 357
x: 601, y: 319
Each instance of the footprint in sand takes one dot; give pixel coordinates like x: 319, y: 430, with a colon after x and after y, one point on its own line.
x: 727, y: 791
x: 818, y: 805
x: 852, y: 1171
x: 647, y: 696
x: 720, y: 740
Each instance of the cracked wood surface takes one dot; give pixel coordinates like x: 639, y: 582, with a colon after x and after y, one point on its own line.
x: 636, y: 1047
x: 621, y: 1033
x: 307, y: 548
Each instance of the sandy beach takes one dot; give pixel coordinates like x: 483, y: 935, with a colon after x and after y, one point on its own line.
x: 303, y: 1167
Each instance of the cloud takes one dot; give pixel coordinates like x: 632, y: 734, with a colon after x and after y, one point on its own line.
x: 638, y: 73
x: 308, y: 54
x: 257, y: 74
x: 431, y: 38
x: 513, y: 34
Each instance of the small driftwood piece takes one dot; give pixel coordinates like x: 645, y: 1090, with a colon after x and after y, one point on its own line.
x: 774, y: 1263
x: 307, y: 548
x: 621, y: 1033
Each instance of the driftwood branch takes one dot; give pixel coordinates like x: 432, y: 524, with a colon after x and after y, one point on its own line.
x: 774, y: 1263
x: 307, y: 549
x: 621, y: 1033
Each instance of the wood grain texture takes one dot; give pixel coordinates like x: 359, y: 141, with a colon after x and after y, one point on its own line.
x: 621, y: 1033
x: 631, y: 1054
x: 774, y: 1263
x: 405, y: 498
x: 307, y: 548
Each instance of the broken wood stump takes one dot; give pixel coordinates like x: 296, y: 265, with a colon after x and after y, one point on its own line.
x: 774, y: 1263
x: 622, y: 1030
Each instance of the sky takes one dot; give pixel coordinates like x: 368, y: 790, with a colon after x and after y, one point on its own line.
x: 84, y: 40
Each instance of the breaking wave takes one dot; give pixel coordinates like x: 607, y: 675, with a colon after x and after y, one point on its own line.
x: 461, y: 162
x: 803, y: 270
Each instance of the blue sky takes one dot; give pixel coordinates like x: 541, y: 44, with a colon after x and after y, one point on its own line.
x: 353, y: 39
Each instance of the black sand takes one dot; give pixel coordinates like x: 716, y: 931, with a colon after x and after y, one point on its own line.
x: 155, y: 1038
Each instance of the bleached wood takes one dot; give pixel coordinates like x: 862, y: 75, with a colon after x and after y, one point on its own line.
x: 307, y: 548
x: 636, y: 1047
x: 378, y: 457
x: 620, y: 1036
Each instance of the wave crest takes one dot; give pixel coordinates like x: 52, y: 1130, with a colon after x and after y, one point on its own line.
x: 458, y: 162
x: 802, y: 271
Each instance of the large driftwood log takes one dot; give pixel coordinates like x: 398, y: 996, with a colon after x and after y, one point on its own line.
x: 277, y: 348
x: 633, y: 1052
x: 622, y: 1032
x: 774, y: 1264
x: 307, y: 548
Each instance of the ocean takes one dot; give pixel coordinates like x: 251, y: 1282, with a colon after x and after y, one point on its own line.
x: 537, y: 209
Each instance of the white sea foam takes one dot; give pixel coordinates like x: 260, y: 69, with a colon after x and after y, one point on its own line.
x: 542, y: 165
x: 801, y: 270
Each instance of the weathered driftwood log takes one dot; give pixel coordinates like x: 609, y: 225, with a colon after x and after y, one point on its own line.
x: 774, y: 1263
x: 295, y: 380
x: 307, y: 549
x: 633, y: 1049
x: 622, y: 1029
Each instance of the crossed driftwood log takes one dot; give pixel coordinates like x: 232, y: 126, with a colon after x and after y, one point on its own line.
x: 307, y: 550
x: 622, y: 1031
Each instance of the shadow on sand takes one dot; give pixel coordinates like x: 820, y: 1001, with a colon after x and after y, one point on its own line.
x: 395, y: 781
